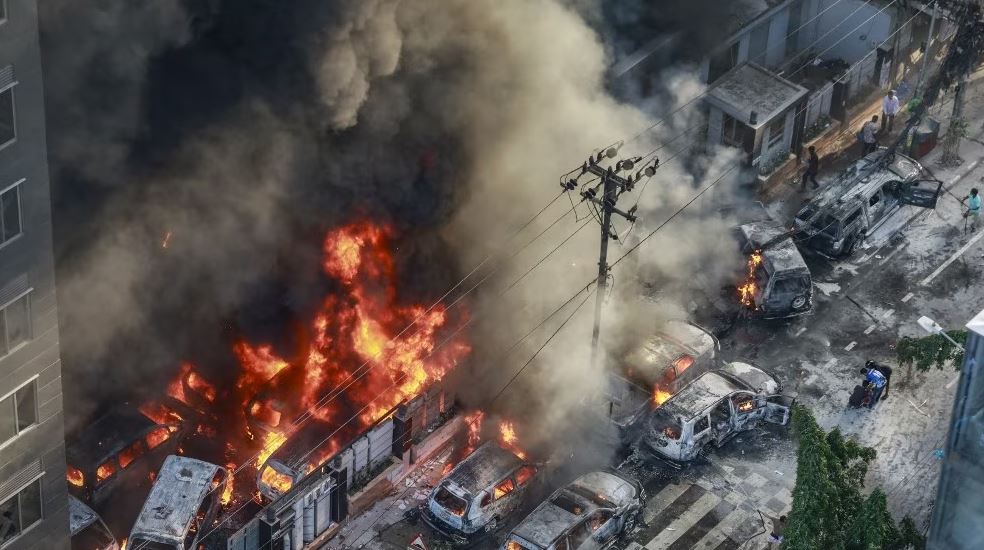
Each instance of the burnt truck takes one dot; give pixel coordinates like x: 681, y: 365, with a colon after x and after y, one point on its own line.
x: 847, y: 212
x: 779, y: 284
x: 673, y: 355
x: 714, y: 408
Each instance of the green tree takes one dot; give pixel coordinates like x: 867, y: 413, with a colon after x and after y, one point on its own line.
x: 929, y: 351
x: 829, y: 508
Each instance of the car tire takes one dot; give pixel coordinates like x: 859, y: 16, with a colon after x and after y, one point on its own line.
x: 800, y: 302
x: 850, y: 249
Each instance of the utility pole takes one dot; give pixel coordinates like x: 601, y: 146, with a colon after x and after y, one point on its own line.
x: 612, y: 186
x: 929, y: 48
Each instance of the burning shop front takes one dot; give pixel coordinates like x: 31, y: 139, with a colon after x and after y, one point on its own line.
x: 311, y: 506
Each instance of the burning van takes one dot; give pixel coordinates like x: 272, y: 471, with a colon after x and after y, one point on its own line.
x: 89, y: 532
x: 649, y: 374
x: 778, y: 282
x: 120, y: 450
x: 297, y: 456
x: 479, y: 492
x: 181, y: 507
x: 714, y: 408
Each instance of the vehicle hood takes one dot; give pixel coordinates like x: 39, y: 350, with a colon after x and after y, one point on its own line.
x: 545, y: 524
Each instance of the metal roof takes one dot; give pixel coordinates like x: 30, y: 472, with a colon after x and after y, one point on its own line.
x: 80, y: 516
x: 837, y: 196
x: 672, y: 340
x: 181, y: 486
x: 699, y: 395
x: 488, y: 464
x: 107, y: 435
x: 547, y: 522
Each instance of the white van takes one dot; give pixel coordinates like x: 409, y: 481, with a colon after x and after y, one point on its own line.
x: 89, y: 531
x: 181, y: 507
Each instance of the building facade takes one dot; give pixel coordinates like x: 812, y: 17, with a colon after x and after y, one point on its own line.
x: 957, y: 516
x: 33, y: 492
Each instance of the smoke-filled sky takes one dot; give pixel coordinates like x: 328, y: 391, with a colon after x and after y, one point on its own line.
x: 243, y: 129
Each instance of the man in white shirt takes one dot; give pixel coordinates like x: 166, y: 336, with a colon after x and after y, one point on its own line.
x: 890, y: 108
x: 869, y: 141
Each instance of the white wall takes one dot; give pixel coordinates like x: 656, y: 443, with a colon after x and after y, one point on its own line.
x: 852, y: 47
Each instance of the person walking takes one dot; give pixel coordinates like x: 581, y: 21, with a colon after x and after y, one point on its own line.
x: 869, y: 140
x: 890, y: 108
x: 778, y: 527
x: 877, y: 379
x: 812, y: 168
x: 973, y: 213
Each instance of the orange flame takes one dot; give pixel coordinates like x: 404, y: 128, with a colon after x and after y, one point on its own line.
x: 190, y: 379
x: 159, y: 413
x: 509, y: 440
x: 280, y: 482
x: 123, y: 544
x: 271, y: 442
x: 75, y: 477
x: 660, y: 396
x: 746, y: 291
x: 226, y: 497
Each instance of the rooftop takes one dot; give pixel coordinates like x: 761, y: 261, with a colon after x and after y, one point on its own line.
x: 750, y: 87
x: 107, y: 435
x: 488, y: 464
x: 700, y: 394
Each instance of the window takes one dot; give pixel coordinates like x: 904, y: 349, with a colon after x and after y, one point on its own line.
x: 874, y: 199
x: 732, y: 132
x: 722, y: 62
x: 504, y: 487
x: 524, y: 474
x: 15, y: 324
x: 20, y: 512
x: 18, y: 411
x: 10, y: 218
x: 758, y: 46
x: 131, y: 453
x: 106, y: 469
x: 7, y: 132
x: 777, y: 131
x: 701, y: 425
x: 156, y: 437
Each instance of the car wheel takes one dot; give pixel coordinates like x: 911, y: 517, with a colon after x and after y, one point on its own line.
x: 799, y: 302
x: 492, y: 525
x: 853, y: 247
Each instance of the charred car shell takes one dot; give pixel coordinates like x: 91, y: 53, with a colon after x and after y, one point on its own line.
x: 714, y: 408
x: 592, y: 511
x: 479, y: 492
x: 783, y: 285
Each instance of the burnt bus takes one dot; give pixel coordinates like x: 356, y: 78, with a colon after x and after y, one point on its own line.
x: 121, y: 450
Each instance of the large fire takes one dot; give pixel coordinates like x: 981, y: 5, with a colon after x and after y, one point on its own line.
x: 75, y: 477
x: 507, y: 434
x: 660, y: 396
x: 746, y: 290
x: 357, y: 357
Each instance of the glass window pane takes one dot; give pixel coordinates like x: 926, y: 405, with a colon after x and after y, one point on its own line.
x: 6, y: 115
x: 3, y: 334
x: 8, y: 428
x: 9, y: 520
x: 27, y: 410
x: 18, y: 315
x: 30, y: 504
x: 10, y: 214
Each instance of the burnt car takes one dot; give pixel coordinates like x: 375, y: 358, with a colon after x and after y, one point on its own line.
x: 293, y: 459
x: 848, y: 211
x: 479, y: 492
x: 119, y: 451
x: 676, y: 353
x: 182, y: 505
x: 780, y: 284
x: 714, y: 408
x: 89, y: 531
x: 589, y: 513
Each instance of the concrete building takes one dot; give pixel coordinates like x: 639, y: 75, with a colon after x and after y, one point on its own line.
x: 958, y: 517
x: 33, y: 492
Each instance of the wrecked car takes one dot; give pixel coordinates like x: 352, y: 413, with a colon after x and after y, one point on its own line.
x: 849, y: 210
x: 120, y: 450
x: 589, y: 513
x: 479, y: 492
x: 183, y: 503
x: 714, y: 408
x: 779, y: 283
x: 88, y: 530
x: 675, y: 354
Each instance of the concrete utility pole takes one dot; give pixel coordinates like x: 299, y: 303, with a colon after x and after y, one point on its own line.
x: 612, y: 186
x: 929, y: 49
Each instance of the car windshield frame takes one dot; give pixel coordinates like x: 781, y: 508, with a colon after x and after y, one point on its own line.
x: 443, y: 495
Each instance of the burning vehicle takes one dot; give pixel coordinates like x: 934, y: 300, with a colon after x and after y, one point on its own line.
x: 119, y: 451
x: 649, y: 374
x: 301, y: 452
x: 590, y: 512
x: 479, y: 492
x: 88, y: 530
x: 848, y: 211
x: 778, y: 282
x: 183, y: 503
x: 714, y: 408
